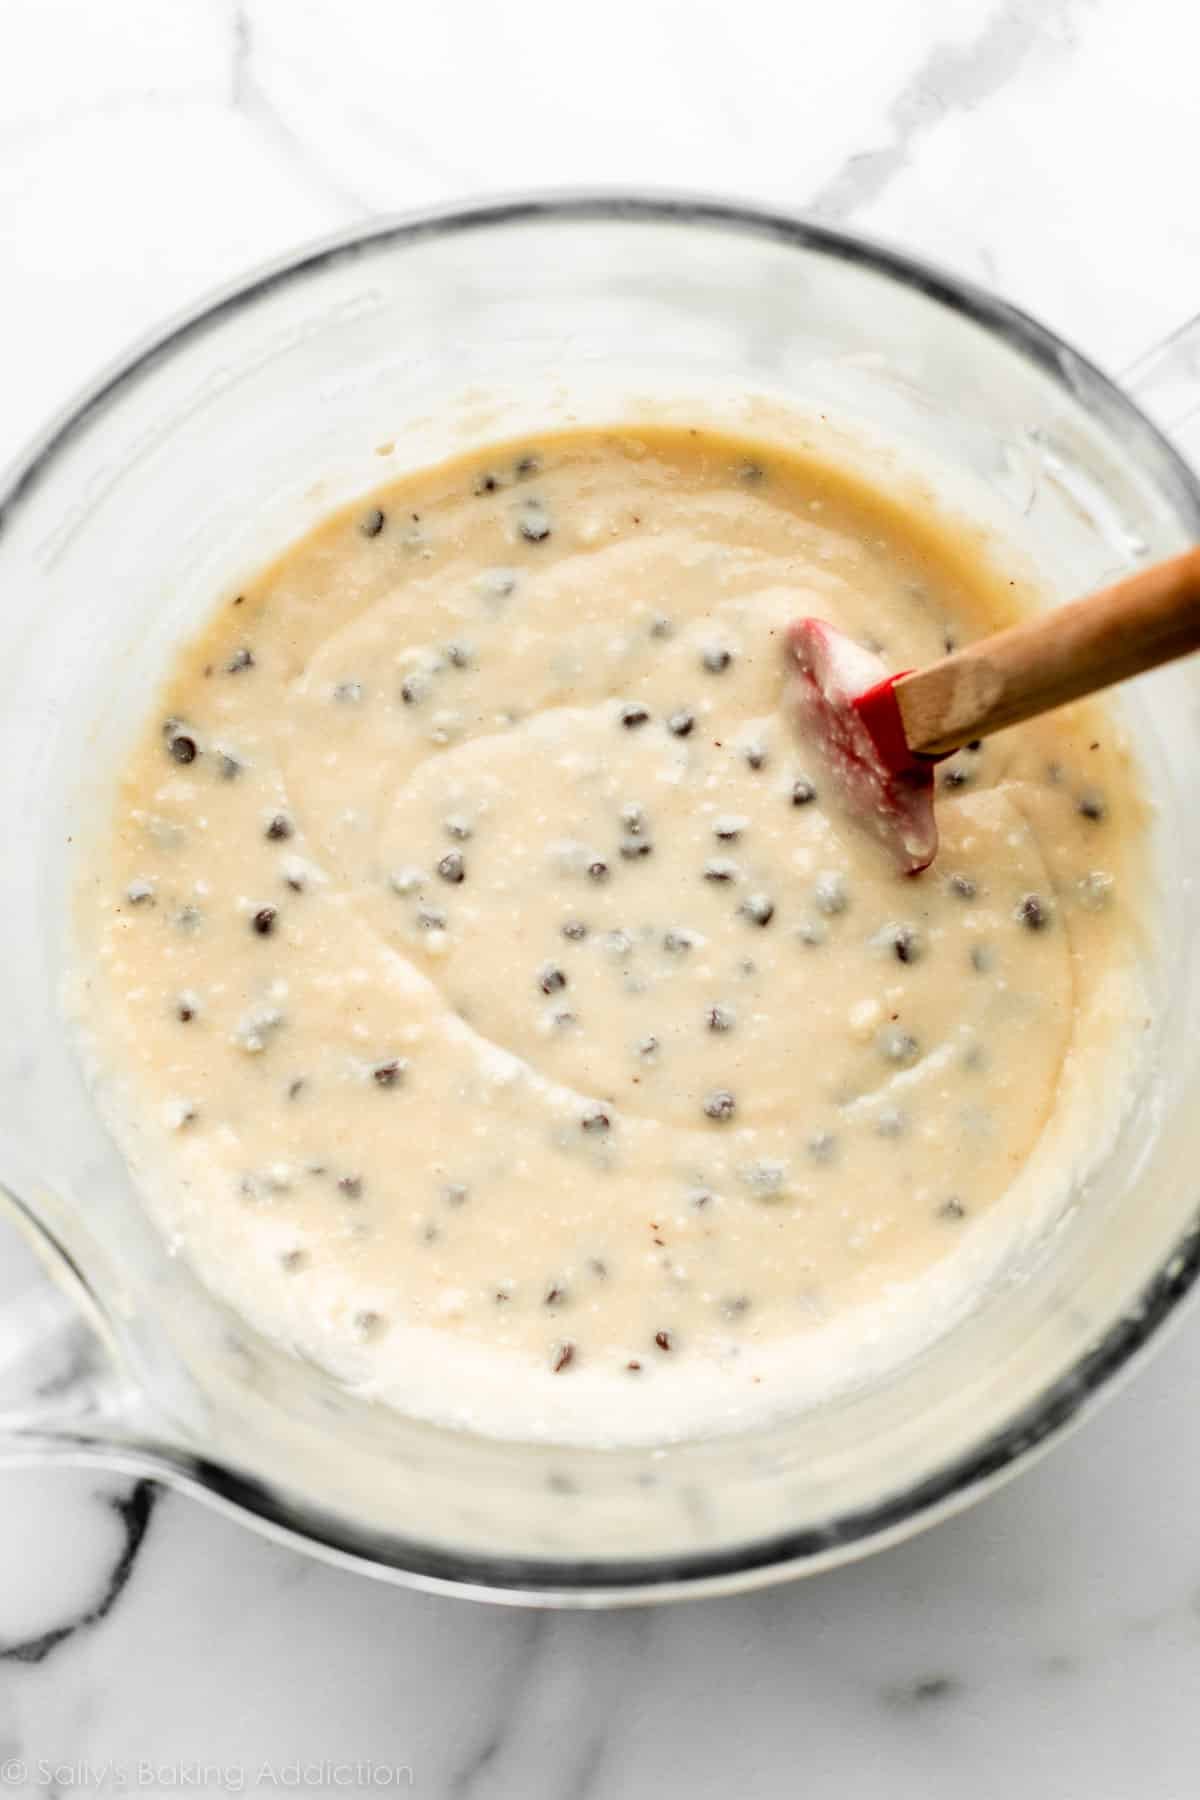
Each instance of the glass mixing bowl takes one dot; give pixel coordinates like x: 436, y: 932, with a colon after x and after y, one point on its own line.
x: 214, y: 445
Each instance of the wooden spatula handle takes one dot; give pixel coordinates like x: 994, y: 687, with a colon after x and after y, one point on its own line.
x: 1147, y: 619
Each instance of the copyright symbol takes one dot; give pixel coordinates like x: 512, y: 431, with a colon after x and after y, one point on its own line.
x: 13, y: 1772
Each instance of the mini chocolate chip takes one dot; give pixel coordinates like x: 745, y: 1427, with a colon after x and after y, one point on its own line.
x: 533, y: 523
x: 1032, y: 912
x: 183, y: 747
x: 596, y: 1122
x: 720, y: 1018
x: 906, y: 945
x: 956, y: 778
x: 485, y: 483
x: 455, y: 1193
x: 140, y: 893
x: 720, y: 1104
x: 575, y: 929
x: 279, y: 828
x: 229, y: 766
x: 598, y: 870
x: 412, y: 690
x: 962, y: 886
x: 750, y: 472
x: 677, y: 942
x: 647, y: 1046
x: 351, y: 1186
x: 431, y: 918
x: 458, y: 655
x: 756, y: 756
x: 661, y: 626
x: 633, y: 818
x: 716, y: 660
x: 681, y: 723
x: 292, y: 1261
x: 373, y: 522
x: 975, y: 746
x: 451, y: 867
x: 564, y: 1356
x: 663, y: 1339
x: 729, y: 826
x: 455, y: 826
x: 349, y: 693
x: 554, y: 1295
x: 264, y: 920
x: 758, y: 909
x: 551, y: 979
x: 719, y: 868
x: 633, y: 715
x: 295, y: 1088
x: 952, y: 1208
x: 184, y: 1013
x: 389, y: 1074
x: 527, y: 465
x: 632, y: 848
x: 803, y: 792
x: 1092, y: 806
x: 241, y: 659
x: 822, y: 1147
x: 369, y: 1325
x: 634, y: 1367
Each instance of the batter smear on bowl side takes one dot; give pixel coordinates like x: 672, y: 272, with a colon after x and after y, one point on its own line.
x: 492, y: 1009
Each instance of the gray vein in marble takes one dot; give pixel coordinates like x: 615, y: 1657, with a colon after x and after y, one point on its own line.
x: 951, y: 79
x: 248, y: 98
x: 134, y: 1511
x: 463, y: 1781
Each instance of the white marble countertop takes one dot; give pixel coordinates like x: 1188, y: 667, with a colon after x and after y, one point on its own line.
x: 1046, y: 1644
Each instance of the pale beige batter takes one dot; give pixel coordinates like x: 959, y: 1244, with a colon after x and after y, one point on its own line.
x: 489, y: 1001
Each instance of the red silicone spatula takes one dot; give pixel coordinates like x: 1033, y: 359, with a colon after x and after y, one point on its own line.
x: 882, y: 734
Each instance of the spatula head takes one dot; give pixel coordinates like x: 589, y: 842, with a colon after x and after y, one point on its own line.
x: 842, y: 701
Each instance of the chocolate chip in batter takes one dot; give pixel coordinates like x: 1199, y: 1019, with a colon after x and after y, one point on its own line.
x: 485, y: 483
x: 720, y: 1105
x: 229, y: 766
x: 140, y: 893
x: 1033, y: 912
x: 647, y: 1047
x: 1092, y: 805
x: 661, y: 627
x: 263, y: 921
x: 431, y: 918
x: 905, y: 942
x: 551, y: 979
x: 456, y: 1193
x: 956, y: 776
x: 756, y: 756
x: 373, y: 522
x: 562, y: 1356
x: 555, y: 1294
x: 758, y: 909
x: 413, y: 689
x: 830, y: 893
x: 750, y: 472
x: 663, y: 1340
x: 803, y: 792
x: 575, y: 930
x: 458, y: 655
x: 598, y: 870
x: 720, y: 868
x: 182, y: 747
x: 681, y: 723
x: 634, y: 848
x: 952, y: 1209
x: 292, y: 1261
x: 729, y: 826
x: 595, y: 1123
x: 898, y: 1046
x: 678, y: 941
x: 528, y: 464
x: 962, y: 887
x: 391, y: 1073
x: 279, y: 828
x: 533, y: 522
x: 633, y: 715
x: 349, y: 693
x: 716, y: 659
x: 185, y: 1010
x: 351, y: 1186
x: 720, y: 1018
x: 451, y: 867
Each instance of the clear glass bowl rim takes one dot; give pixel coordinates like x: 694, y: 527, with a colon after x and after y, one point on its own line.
x: 1065, y: 1401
